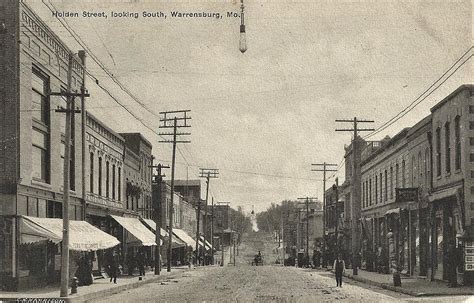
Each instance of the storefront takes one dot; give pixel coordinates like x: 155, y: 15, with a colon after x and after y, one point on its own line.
x: 39, y: 251
x: 134, y: 236
x: 446, y: 223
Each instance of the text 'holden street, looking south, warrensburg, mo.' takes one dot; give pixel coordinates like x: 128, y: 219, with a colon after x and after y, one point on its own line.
x: 145, y: 14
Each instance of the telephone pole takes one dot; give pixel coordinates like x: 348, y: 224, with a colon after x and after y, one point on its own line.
x: 70, y: 109
x: 335, y: 188
x: 324, y: 167
x: 222, y: 231
x: 356, y: 183
x: 204, y: 173
x: 307, y: 223
x: 158, y: 179
x: 173, y: 119
x: 212, y: 232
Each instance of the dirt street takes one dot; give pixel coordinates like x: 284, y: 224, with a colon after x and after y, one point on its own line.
x: 270, y: 283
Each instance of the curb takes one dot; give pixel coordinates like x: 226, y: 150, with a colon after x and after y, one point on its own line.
x: 120, y: 288
x: 402, y: 290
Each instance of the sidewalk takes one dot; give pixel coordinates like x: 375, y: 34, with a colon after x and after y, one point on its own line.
x: 100, y: 288
x: 414, y: 286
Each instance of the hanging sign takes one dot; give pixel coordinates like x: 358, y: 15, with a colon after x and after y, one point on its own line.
x: 409, y: 194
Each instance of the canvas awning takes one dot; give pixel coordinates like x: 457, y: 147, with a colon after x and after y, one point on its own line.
x: 82, y: 235
x: 393, y: 211
x: 181, y: 234
x: 137, y: 229
x: 164, y: 234
x: 208, y: 245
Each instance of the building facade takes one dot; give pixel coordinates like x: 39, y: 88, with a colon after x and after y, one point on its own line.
x: 33, y: 63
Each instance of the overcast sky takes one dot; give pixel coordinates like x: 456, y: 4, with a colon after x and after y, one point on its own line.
x: 264, y: 116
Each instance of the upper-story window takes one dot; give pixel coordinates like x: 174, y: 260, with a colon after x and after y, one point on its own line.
x: 381, y: 188
x: 91, y: 173
x: 119, y: 183
x: 413, y: 171
x: 107, y: 179
x: 397, y: 171
x: 457, y: 142
x: 427, y: 168
x: 391, y: 182
x: 376, y: 189
x: 403, y: 174
x: 386, y: 186
x: 40, y: 153
x: 438, y: 151
x: 447, y: 145
x: 99, y: 180
x: 370, y: 191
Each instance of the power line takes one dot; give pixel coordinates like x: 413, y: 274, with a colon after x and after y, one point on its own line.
x: 417, y: 101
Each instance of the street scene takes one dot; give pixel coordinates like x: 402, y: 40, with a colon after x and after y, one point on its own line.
x: 237, y: 150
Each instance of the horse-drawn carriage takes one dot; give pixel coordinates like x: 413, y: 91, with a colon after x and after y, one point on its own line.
x: 257, y: 260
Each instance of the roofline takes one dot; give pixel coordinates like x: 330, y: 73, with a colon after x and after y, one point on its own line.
x: 105, y: 126
x: 451, y: 95
x: 141, y: 137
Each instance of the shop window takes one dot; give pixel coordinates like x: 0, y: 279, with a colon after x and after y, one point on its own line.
x: 457, y: 143
x: 22, y: 205
x: 447, y: 146
x: 54, y: 209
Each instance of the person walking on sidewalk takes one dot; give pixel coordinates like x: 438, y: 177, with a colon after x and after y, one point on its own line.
x: 339, y: 268
x: 113, y: 267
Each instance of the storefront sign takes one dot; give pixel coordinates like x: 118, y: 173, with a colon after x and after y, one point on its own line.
x: 469, y: 256
x: 406, y: 194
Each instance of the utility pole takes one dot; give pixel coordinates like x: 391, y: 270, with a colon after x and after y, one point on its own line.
x: 222, y: 231
x: 307, y: 223
x: 205, y: 173
x: 179, y: 119
x: 356, y: 184
x: 158, y: 178
x: 82, y: 56
x: 326, y: 167
x: 335, y: 188
x: 66, y: 172
x: 212, y: 231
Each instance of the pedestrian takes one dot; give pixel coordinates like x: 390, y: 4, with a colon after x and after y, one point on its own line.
x: 141, y: 262
x: 339, y: 268
x: 113, y: 267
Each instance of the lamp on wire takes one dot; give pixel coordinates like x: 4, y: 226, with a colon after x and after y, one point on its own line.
x: 242, y: 42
